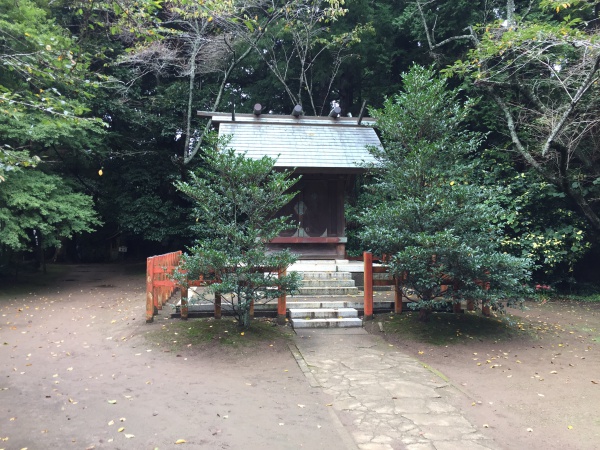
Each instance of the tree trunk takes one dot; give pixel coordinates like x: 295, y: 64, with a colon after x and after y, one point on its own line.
x: 424, y: 314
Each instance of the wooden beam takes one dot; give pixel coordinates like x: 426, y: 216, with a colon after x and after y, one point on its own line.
x: 368, y: 299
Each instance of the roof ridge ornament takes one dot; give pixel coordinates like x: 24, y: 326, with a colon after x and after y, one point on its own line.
x: 297, y: 111
x: 335, y: 112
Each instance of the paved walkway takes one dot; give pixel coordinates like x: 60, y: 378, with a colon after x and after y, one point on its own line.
x: 386, y: 399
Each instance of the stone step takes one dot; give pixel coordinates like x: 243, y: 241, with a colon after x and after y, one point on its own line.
x: 312, y: 291
x: 326, y: 275
x: 327, y: 283
x: 327, y: 323
x: 305, y: 266
x: 322, y: 313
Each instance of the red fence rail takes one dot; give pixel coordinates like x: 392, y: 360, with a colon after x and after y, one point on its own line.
x: 159, y: 285
x: 397, y: 282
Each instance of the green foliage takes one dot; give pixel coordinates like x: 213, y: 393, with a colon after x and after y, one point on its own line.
x: 237, y: 199
x: 38, y: 206
x: 13, y: 159
x: 541, y: 70
x: 45, y: 90
x: 426, y: 213
x: 539, y: 223
x: 42, y: 70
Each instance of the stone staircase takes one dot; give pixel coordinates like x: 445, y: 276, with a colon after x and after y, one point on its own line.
x: 324, y: 318
x: 322, y: 282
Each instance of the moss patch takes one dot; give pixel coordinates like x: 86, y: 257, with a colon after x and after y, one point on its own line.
x: 224, y: 333
x: 448, y: 328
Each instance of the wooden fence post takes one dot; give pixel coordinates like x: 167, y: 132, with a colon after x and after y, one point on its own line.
x: 397, y: 295
x: 368, y: 300
x: 281, y: 302
x: 456, y: 306
x: 184, y: 303
x: 217, y: 306
x: 485, y: 305
x: 149, y: 299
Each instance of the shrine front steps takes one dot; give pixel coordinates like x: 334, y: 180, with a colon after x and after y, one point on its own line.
x: 326, y: 283
x: 324, y: 318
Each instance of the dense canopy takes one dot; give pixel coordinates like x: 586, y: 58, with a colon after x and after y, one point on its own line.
x: 98, y: 106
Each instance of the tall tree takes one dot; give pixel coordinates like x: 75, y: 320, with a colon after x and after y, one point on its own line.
x: 45, y: 87
x: 425, y: 211
x: 540, y: 63
x: 237, y: 199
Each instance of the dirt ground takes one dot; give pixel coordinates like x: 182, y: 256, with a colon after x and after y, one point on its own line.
x: 539, y: 389
x: 75, y: 368
x: 77, y: 371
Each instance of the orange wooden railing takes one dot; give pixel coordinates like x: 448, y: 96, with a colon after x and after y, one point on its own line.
x: 160, y: 287
x: 369, y: 270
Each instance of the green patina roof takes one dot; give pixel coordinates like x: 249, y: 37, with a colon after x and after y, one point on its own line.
x: 303, y: 143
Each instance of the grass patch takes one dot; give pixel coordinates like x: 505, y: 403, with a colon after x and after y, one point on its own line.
x: 447, y: 328
x: 178, y: 334
x: 585, y: 298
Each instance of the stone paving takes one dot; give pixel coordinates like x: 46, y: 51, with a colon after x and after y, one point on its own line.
x: 386, y: 399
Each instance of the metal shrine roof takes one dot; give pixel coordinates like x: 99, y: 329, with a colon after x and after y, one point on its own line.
x: 314, y: 144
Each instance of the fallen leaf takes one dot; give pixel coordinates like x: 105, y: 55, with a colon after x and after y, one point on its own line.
x: 122, y: 419
x: 301, y: 406
x: 180, y: 441
x: 529, y: 430
x: 129, y: 436
x: 570, y: 427
x: 112, y: 402
x: 120, y: 430
x: 112, y: 422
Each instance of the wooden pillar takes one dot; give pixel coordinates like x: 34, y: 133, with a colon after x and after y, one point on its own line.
x: 470, y: 305
x: 184, y: 303
x: 252, y: 309
x: 368, y: 301
x: 485, y: 305
x: 281, y: 303
x: 485, y: 308
x: 149, y: 299
x: 155, y: 289
x: 217, y: 306
x: 457, y: 306
x: 397, y: 295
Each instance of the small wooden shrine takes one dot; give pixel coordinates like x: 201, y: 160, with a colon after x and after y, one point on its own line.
x: 327, y: 151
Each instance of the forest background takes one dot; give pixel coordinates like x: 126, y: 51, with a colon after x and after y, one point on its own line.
x: 98, y: 104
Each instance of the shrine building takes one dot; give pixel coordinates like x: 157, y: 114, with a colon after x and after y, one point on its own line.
x: 328, y: 153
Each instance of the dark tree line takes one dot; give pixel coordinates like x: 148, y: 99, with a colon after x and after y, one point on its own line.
x: 101, y: 98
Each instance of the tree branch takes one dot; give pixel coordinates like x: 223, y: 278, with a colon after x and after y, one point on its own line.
x: 517, y: 142
x: 586, y: 84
